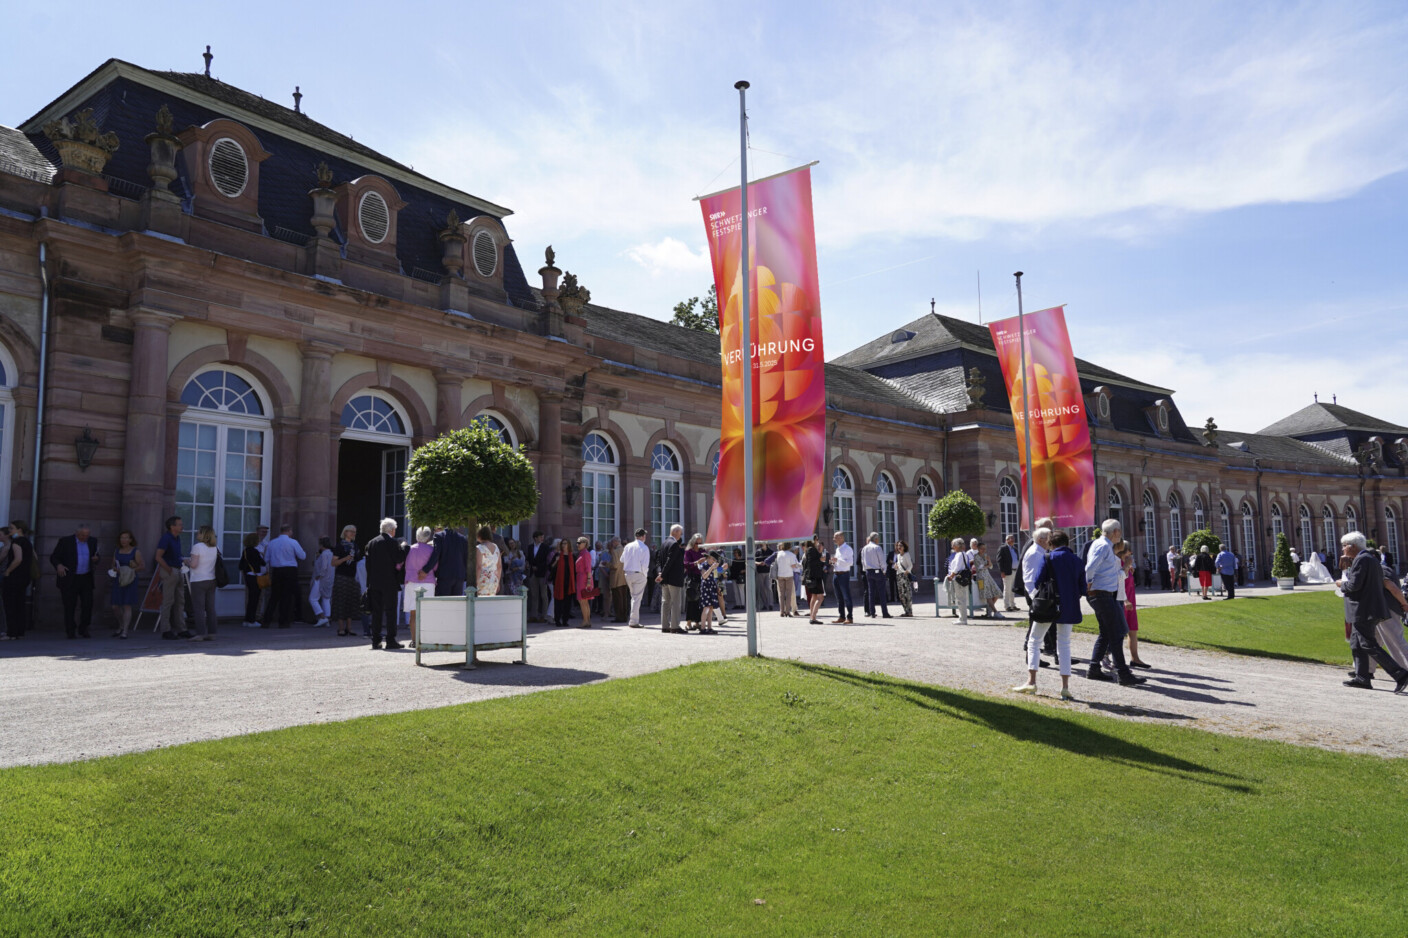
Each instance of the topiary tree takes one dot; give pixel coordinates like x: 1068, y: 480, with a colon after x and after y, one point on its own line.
x: 1281, y: 565
x: 956, y: 515
x: 470, y: 477
x: 1196, y: 539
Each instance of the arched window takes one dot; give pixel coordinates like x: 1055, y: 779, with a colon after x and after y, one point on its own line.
x: 1224, y: 515
x: 499, y: 425
x: 222, y: 465
x: 886, y: 511
x: 1080, y: 537
x: 1391, y: 533
x: 373, y: 418
x: 7, y: 428
x: 1007, y: 507
x: 1332, y: 540
x: 1152, y: 548
x: 1278, y: 523
x: 599, y: 483
x: 1351, y: 520
x: 666, y: 491
x: 1307, y: 541
x: 1175, y: 519
x: 1249, y: 539
x: 843, y: 503
x: 1200, y: 515
x: 1116, y: 509
x: 928, y: 547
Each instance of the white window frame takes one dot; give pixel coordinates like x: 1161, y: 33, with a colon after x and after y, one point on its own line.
x: 928, y: 547
x: 887, y: 511
x: 1307, y: 532
x: 1200, y: 513
x: 1351, y: 519
x: 1225, y: 516
x: 666, y: 485
x: 1249, y: 540
x: 843, y: 503
x: 1152, y: 549
x: 1008, y: 507
x: 7, y: 428
x: 1115, y: 506
x: 223, y: 422
x: 593, y: 473
x: 389, y: 506
x: 1175, y: 519
x: 1327, y: 522
x: 1391, y: 533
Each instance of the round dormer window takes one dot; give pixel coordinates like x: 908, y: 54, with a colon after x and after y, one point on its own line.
x: 486, y: 253
x: 373, y: 217
x: 229, y: 168
x: 1163, y: 419
x: 1102, y: 407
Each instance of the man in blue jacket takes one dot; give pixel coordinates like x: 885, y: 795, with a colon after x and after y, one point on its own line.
x: 448, y: 558
x: 1066, y: 570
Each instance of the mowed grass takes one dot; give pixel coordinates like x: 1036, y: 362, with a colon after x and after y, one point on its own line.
x: 1297, y: 626
x: 738, y: 798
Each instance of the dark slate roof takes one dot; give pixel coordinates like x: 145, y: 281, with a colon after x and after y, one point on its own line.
x: 19, y: 155
x: 933, y: 332
x: 1281, y: 448
x: 1321, y: 418
x: 128, y: 108
x: 699, y: 346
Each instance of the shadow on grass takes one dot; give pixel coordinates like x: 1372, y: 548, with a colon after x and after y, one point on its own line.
x: 1028, y: 725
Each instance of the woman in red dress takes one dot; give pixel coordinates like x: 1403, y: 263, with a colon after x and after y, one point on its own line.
x: 564, y: 582
x: 586, y: 586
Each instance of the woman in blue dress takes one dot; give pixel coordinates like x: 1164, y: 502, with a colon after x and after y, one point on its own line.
x: 126, y: 584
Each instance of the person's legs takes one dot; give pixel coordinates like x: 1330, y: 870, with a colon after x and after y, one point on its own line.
x: 1229, y: 585
x: 1369, y: 647
x: 906, y: 594
x: 845, y: 609
x: 635, y: 583
x: 1111, y: 641
x: 867, y: 600
x: 69, y: 595
x: 1009, y: 596
x: 251, y: 598
x: 671, y: 603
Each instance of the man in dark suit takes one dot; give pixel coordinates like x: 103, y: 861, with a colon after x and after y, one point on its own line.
x: 670, y: 561
x: 386, y: 561
x: 1007, y: 566
x: 1364, y: 604
x: 75, y: 557
x: 448, y: 559
x: 535, y: 565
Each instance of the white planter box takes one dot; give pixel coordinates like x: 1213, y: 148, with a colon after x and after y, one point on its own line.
x: 1285, y: 583
x: 470, y: 623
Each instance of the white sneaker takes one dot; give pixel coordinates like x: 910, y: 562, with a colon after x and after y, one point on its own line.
x: 1024, y: 689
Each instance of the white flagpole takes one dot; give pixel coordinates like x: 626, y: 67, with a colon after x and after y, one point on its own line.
x: 745, y: 316
x: 1026, y: 410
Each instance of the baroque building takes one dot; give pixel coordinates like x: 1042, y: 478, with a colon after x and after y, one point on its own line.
x: 213, y: 305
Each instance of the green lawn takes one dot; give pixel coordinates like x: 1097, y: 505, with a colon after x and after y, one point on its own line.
x: 734, y: 798
x: 1298, y: 626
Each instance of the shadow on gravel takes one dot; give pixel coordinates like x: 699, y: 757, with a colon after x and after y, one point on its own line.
x: 1029, y: 725
x: 508, y: 674
x: 1190, y: 695
x: 230, y: 642
x: 1130, y: 710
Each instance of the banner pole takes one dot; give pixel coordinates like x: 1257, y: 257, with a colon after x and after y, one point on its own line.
x: 746, y: 316
x: 1026, y: 411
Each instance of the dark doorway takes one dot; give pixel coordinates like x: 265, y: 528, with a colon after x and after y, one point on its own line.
x: 361, y: 479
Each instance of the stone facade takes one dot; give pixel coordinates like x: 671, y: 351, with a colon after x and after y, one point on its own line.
x: 228, y: 357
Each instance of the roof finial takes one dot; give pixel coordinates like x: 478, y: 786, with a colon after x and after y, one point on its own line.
x: 207, y: 58
x: 1316, y: 395
x: 931, y: 306
x: 1334, y: 398
x: 297, y: 98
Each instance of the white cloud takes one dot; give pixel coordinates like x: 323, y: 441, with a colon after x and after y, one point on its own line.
x: 670, y: 255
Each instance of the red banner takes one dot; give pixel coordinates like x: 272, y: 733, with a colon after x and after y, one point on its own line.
x: 787, y: 363
x: 1063, y: 472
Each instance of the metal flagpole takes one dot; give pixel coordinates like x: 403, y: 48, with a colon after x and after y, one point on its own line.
x: 745, y: 315
x: 1026, y: 410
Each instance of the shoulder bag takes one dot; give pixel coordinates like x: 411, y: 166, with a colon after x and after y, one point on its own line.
x: 222, y: 575
x: 1045, y: 607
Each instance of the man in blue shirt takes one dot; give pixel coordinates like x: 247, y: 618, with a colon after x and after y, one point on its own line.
x: 173, y: 584
x: 283, y: 555
x: 1226, y: 564
x: 1104, y: 574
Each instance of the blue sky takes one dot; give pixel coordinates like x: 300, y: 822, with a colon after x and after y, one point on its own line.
x: 1216, y: 191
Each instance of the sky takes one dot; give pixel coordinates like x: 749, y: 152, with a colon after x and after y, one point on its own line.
x: 1216, y: 191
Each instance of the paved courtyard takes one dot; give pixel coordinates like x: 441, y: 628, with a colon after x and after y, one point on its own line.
x: 65, y: 700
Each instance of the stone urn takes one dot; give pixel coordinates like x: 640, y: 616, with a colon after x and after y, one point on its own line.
x: 81, y: 143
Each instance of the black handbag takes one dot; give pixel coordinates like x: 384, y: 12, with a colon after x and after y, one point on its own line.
x: 222, y: 575
x: 964, y: 577
x: 1045, y: 607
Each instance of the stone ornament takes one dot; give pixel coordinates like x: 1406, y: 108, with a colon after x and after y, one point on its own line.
x: 81, y: 143
x: 1210, y: 433
x: 976, y: 389
x: 164, y: 146
x: 452, y: 238
x: 573, y: 296
x: 324, y: 200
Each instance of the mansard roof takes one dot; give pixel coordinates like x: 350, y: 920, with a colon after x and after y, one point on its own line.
x: 20, y: 156
x: 933, y: 332
x: 1327, y: 418
x: 1281, y: 448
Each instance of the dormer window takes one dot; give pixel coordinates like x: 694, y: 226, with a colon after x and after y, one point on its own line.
x: 484, y: 246
x: 1098, y: 405
x: 373, y: 217
x: 486, y: 254
x: 229, y: 168
x: 901, y: 335
x: 366, y: 209
x: 1158, y: 416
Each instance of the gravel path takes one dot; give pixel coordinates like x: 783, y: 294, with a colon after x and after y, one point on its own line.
x: 66, y: 700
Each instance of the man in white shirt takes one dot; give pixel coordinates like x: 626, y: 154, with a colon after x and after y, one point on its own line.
x: 635, y: 561
x: 784, y: 564
x: 960, y: 568
x: 872, y: 560
x: 843, y: 558
x: 1104, y: 577
x: 1032, y: 561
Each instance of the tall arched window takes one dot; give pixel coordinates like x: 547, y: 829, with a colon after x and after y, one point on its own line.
x: 374, y: 418
x: 1008, y: 507
x: 1200, y: 515
x: 1351, y: 521
x: 1332, y: 540
x: 1307, y: 541
x: 499, y: 425
x: 222, y: 469
x: 1249, y: 539
x: 1116, y: 506
x: 1391, y: 533
x: 666, y: 491
x: 599, y: 483
x: 843, y: 503
x: 1152, y: 550
x: 1175, y: 519
x: 886, y: 511
x: 1278, y: 523
x: 7, y: 428
x: 1224, y: 515
x: 928, y: 547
